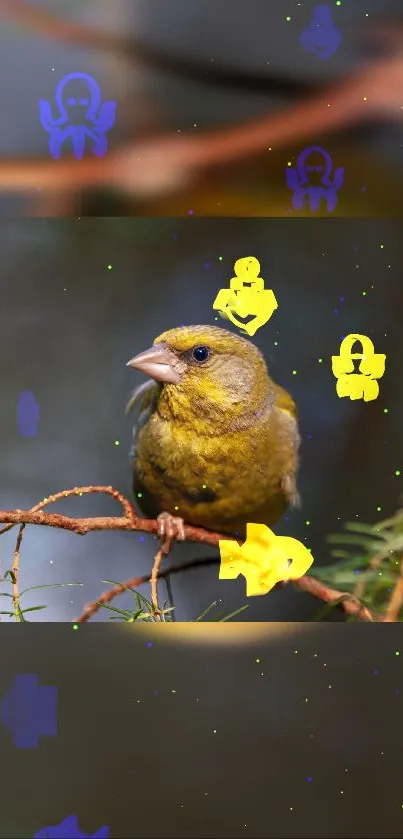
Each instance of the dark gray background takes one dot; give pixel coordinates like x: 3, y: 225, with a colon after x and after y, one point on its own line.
x: 136, y: 748
x: 68, y: 325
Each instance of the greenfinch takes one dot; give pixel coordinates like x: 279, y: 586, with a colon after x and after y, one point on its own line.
x: 216, y: 442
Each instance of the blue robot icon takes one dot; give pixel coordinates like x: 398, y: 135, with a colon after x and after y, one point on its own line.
x: 27, y: 414
x: 69, y: 829
x: 298, y: 180
x: 321, y: 36
x: 28, y: 711
x: 82, y: 117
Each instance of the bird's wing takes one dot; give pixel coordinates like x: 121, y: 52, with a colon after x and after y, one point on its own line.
x: 145, y: 398
x: 285, y: 402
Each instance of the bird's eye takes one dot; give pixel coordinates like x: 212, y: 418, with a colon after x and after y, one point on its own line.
x: 200, y: 353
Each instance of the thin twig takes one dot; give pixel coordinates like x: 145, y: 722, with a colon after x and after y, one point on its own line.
x: 16, y: 569
x: 163, y: 551
x: 136, y: 582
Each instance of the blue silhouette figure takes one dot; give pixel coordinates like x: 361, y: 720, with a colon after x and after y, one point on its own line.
x: 29, y: 711
x: 27, y: 414
x: 81, y: 118
x: 298, y: 181
x: 321, y: 36
x: 68, y: 829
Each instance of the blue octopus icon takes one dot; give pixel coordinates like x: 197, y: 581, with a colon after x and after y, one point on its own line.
x: 81, y: 117
x: 298, y: 180
x: 321, y: 36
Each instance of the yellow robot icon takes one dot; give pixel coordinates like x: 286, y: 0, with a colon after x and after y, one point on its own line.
x: 264, y: 559
x: 246, y: 296
x: 361, y: 384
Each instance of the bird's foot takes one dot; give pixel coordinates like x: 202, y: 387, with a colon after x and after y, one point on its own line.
x: 171, y: 527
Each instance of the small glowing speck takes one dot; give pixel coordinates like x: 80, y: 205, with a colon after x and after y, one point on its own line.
x: 75, y: 626
x: 176, y: 507
x: 294, y: 372
x: 117, y: 442
x: 307, y: 522
x: 139, y: 495
x: 110, y: 267
x: 386, y: 410
x: 397, y: 473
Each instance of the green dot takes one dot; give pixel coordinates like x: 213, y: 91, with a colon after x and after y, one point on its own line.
x: 288, y: 18
x: 109, y: 267
x: 397, y: 473
x: 75, y: 625
x: 364, y: 293
x: 294, y: 372
x: 221, y: 258
x: 320, y: 360
x: 307, y: 522
x: 378, y: 509
x: 139, y: 495
x: 397, y: 652
x: 381, y: 246
x: 117, y: 443
x: 386, y: 410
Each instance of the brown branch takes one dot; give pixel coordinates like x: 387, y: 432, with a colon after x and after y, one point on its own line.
x: 311, y: 585
x: 131, y: 522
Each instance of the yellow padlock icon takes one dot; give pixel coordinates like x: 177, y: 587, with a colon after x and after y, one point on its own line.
x: 361, y: 385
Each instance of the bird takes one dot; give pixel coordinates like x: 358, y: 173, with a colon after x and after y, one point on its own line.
x: 216, y: 442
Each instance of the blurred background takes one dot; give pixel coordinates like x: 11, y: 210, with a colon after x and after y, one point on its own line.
x: 214, y: 102
x: 81, y: 297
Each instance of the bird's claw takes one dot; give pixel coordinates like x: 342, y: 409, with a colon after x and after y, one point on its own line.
x: 171, y: 527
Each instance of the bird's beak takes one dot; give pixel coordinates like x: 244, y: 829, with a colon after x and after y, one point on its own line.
x: 158, y: 362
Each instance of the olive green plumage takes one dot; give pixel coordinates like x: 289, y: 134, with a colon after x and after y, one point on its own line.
x: 217, y: 441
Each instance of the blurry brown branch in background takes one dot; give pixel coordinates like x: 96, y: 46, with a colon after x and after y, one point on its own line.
x: 350, y: 604
x: 167, y: 162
